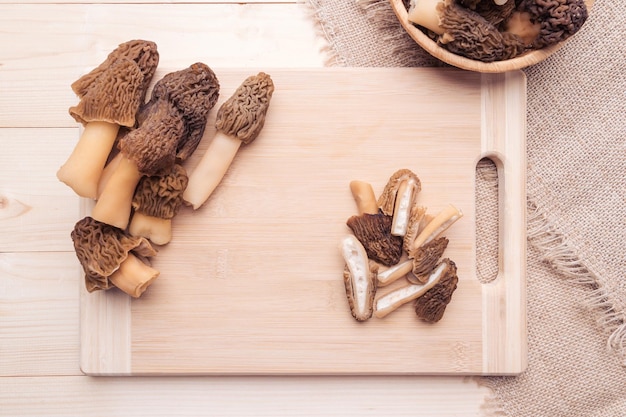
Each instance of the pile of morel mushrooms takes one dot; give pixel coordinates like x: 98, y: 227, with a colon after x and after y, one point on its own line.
x: 393, y: 237
x: 496, y: 30
x: 131, y: 153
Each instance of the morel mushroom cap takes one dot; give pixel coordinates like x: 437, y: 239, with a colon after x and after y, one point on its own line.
x: 493, y: 12
x: 432, y: 304
x: 102, y: 249
x: 555, y: 20
x: 374, y: 233
x: 426, y: 257
x: 468, y: 34
x: 239, y: 120
x: 193, y: 92
x: 156, y: 201
x: 110, y: 97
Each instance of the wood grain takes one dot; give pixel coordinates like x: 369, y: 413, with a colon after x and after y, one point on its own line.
x: 251, y: 282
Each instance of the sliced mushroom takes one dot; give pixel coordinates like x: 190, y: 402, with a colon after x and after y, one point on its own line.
x: 432, y: 304
x: 398, y: 198
x: 168, y: 121
x: 110, y: 96
x: 239, y: 121
x: 359, y: 278
x: 417, y: 219
x: 111, y: 257
x: 425, y: 258
x: 372, y: 227
x: 157, y: 200
x: 391, y: 301
x: 440, y: 223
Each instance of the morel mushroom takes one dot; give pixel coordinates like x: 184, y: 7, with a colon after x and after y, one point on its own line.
x: 179, y: 102
x: 495, y: 12
x: 111, y: 257
x: 110, y: 96
x: 400, y: 296
x: 239, y: 121
x: 157, y: 200
x: 425, y: 258
x: 440, y: 223
x: 372, y: 227
x: 547, y: 22
x: 398, y: 198
x: 359, y: 278
x: 465, y: 32
x: 432, y: 304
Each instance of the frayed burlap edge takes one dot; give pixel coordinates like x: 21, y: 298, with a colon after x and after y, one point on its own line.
x: 318, y: 15
x: 544, y: 235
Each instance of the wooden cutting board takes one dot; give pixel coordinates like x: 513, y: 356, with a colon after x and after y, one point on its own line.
x: 252, y: 282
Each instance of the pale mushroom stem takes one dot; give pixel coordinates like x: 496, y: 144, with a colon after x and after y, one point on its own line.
x: 133, y: 276
x: 402, y: 207
x: 211, y: 169
x: 114, y: 205
x: 441, y: 222
x: 394, y: 273
x: 83, y: 168
x: 107, y: 172
x: 425, y: 13
x: 364, y: 197
x: 157, y: 229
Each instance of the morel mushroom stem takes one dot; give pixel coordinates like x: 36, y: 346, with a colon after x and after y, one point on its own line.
x: 133, y: 276
x: 405, y: 198
x: 364, y: 197
x: 83, y: 168
x: 440, y: 223
x: 394, y: 273
x: 425, y: 13
x: 114, y: 205
x: 212, y: 167
x: 108, y: 170
x: 157, y: 229
x: 393, y: 300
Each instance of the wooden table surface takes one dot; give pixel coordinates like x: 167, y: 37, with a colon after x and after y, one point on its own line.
x: 44, y: 46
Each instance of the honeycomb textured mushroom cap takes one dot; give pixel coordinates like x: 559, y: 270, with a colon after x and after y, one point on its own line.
x: 242, y: 116
x: 468, y: 34
x: 374, y: 233
x: 387, y: 198
x: 193, y: 91
x: 492, y: 12
x: 559, y: 19
x: 161, y: 195
x: 114, y: 91
x: 426, y: 257
x: 431, y: 306
x: 101, y: 248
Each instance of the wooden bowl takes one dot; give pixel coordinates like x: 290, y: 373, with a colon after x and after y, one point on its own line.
x: 524, y: 60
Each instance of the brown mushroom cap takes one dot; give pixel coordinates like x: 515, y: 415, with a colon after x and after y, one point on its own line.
x: 161, y: 196
x: 243, y: 115
x: 374, y: 233
x: 193, y: 91
x: 559, y: 19
x: 387, y: 198
x: 432, y: 304
x: 492, y: 12
x: 101, y: 248
x: 426, y: 257
x: 114, y: 90
x: 468, y: 34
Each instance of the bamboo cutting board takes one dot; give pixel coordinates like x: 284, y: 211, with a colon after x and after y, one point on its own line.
x: 252, y: 281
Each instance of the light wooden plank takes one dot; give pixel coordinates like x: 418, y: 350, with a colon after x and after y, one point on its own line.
x: 255, y: 274
x: 37, y: 212
x: 39, y: 315
x: 45, y: 47
x: 241, y: 396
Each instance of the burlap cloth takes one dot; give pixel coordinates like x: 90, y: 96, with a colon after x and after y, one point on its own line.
x: 576, y: 201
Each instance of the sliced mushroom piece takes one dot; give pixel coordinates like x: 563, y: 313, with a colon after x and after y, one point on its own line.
x: 372, y: 227
x: 239, y: 121
x: 398, y: 198
x: 394, y: 273
x: 111, y: 257
x: 359, y: 278
x: 393, y: 300
x: 156, y: 144
x: 431, y: 306
x: 425, y: 259
x: 110, y: 97
x: 440, y: 223
x: 157, y: 200
x: 417, y: 219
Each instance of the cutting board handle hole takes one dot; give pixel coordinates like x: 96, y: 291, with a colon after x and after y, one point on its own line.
x: 487, y: 220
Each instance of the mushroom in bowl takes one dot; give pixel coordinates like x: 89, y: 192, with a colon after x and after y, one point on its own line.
x: 491, y: 36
